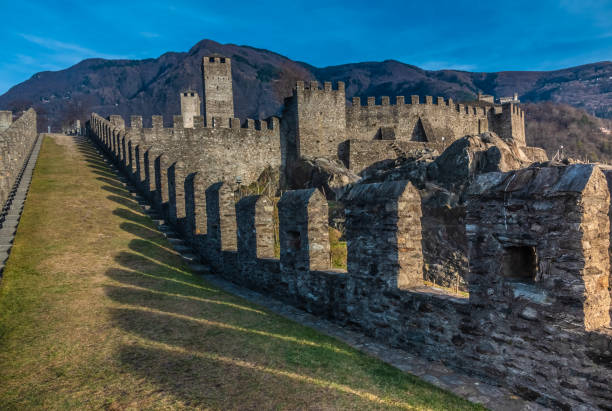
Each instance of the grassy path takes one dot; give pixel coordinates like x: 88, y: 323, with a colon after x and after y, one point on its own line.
x: 97, y: 311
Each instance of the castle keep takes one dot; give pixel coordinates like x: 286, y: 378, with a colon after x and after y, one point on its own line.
x: 319, y: 123
x: 536, y: 239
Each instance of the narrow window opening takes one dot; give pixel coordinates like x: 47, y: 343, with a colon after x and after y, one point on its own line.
x: 294, y: 240
x: 520, y: 263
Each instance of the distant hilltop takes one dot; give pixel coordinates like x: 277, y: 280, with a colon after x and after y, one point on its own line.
x: 262, y: 78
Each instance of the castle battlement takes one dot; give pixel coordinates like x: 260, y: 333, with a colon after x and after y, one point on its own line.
x: 157, y: 123
x: 313, y: 86
x: 215, y: 60
x: 534, y: 296
x: 415, y: 100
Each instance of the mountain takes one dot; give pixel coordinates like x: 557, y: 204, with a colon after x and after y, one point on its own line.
x: 263, y: 78
x: 582, y: 136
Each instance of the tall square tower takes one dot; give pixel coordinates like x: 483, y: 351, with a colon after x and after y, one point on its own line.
x: 218, y: 93
x: 190, y: 107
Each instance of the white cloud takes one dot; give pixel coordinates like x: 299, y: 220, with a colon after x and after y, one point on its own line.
x: 445, y: 65
x: 76, y: 51
x: 149, y: 35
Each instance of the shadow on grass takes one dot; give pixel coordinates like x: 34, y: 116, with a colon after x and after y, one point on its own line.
x: 211, y: 349
x: 153, y: 249
x: 143, y: 231
x: 110, y: 181
x: 103, y: 173
x: 102, y: 168
x: 200, y: 349
x: 134, y: 217
x: 125, y: 201
x: 160, y: 281
x: 120, y: 191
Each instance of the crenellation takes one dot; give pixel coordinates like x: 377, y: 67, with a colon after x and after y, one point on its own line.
x: 274, y: 123
x: 383, y: 223
x: 221, y: 226
x: 235, y: 123
x: 157, y: 122
x: 535, y: 296
x: 198, y: 122
x: 255, y: 217
x: 136, y: 122
x: 304, y: 237
x: 538, y: 291
x: 178, y: 122
x: 117, y: 121
x: 6, y: 119
x: 176, y: 195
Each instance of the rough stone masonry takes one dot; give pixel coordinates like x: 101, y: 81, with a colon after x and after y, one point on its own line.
x: 537, y: 318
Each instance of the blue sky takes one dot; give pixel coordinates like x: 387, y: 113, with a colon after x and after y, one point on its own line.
x: 471, y: 35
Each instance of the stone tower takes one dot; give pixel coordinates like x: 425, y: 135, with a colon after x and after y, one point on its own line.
x: 218, y: 93
x: 190, y: 107
x: 6, y: 119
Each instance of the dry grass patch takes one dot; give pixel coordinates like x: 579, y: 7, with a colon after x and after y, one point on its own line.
x: 97, y: 311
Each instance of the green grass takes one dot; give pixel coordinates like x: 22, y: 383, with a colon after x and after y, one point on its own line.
x: 97, y: 311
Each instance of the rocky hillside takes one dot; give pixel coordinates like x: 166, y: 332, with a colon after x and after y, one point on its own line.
x: 582, y: 136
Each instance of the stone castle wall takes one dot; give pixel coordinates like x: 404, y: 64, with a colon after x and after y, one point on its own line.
x: 545, y: 335
x: 316, y: 120
x: 427, y: 122
x: 361, y: 154
x: 510, y: 123
x: 234, y: 152
x: 318, y: 123
x: 16, y: 141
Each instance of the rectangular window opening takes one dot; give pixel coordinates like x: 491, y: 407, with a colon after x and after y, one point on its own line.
x: 520, y: 263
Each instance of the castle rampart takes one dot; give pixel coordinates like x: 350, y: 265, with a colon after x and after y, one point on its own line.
x: 318, y: 123
x: 17, y: 139
x: 217, y: 152
x: 427, y: 122
x: 6, y: 119
x: 537, y: 316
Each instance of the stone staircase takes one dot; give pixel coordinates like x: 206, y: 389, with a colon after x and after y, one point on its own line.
x: 401, y: 154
